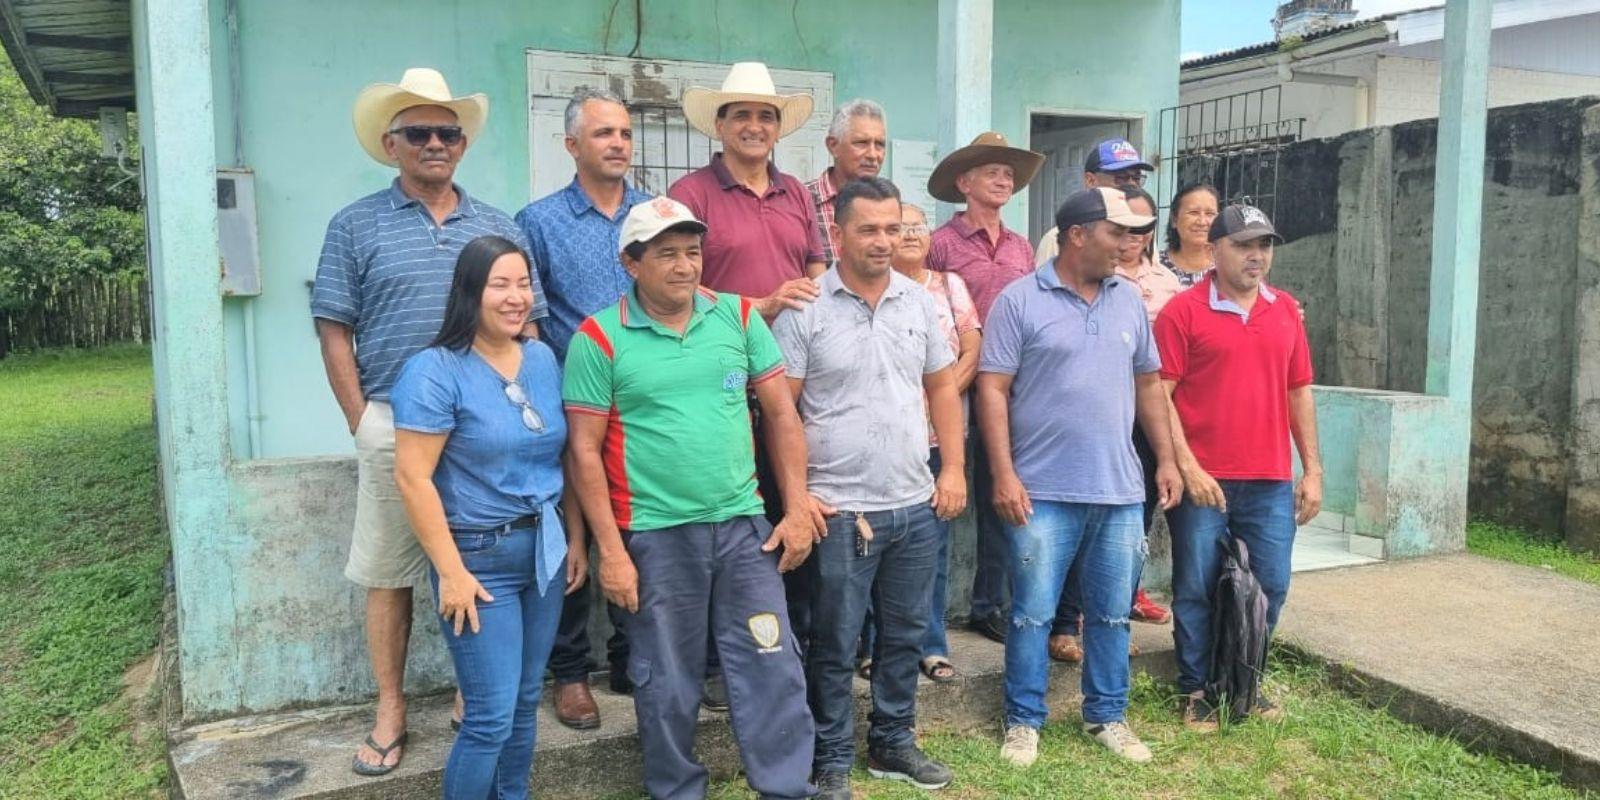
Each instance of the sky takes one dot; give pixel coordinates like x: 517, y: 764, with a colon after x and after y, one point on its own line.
x: 1211, y: 26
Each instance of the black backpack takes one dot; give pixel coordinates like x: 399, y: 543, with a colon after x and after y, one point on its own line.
x: 1238, y: 634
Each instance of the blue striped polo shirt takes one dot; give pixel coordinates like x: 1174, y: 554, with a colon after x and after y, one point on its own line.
x: 386, y: 270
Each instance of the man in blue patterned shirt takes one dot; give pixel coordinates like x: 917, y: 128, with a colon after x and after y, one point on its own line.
x: 379, y: 297
x: 573, y: 233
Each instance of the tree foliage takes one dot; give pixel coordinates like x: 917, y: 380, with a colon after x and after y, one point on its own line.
x: 66, y: 213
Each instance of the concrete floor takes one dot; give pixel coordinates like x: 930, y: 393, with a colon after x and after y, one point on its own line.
x: 1504, y: 657
x: 307, y: 755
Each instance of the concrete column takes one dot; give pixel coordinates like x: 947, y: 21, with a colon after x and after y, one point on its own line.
x: 966, y: 56
x: 1458, y: 200
x: 1583, y: 445
x: 172, y: 56
x: 1366, y: 198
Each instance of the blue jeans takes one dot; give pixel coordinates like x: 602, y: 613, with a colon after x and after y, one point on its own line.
x: 936, y: 641
x: 1259, y: 512
x: 500, y: 669
x: 710, y: 582
x: 894, y: 573
x: 1109, y: 542
x: 1069, y: 609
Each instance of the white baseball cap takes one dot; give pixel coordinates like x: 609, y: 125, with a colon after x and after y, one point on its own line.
x: 649, y: 219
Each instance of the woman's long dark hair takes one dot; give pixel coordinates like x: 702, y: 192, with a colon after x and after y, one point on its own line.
x: 461, y: 312
x: 1174, y: 243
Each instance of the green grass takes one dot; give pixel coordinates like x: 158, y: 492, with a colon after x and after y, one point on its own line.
x: 81, y: 557
x: 1511, y: 544
x: 1329, y: 746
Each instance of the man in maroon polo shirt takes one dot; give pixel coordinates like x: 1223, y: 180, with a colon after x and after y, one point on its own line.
x: 976, y: 245
x: 762, y: 240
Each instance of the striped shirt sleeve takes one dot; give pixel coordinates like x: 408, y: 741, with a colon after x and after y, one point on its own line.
x: 336, y: 292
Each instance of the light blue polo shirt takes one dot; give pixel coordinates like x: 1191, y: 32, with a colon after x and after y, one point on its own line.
x: 1071, y: 404
x: 386, y: 270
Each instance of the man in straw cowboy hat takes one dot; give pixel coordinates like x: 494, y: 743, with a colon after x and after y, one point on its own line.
x: 762, y: 240
x: 976, y: 245
x: 379, y: 296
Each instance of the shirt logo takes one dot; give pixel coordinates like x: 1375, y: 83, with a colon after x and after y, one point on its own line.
x: 764, y: 627
x: 1127, y: 338
x: 734, y: 381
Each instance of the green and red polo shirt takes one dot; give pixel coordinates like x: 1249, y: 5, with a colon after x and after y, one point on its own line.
x: 678, y: 446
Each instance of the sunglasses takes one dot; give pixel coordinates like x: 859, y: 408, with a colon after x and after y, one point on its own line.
x: 420, y: 135
x: 530, y: 418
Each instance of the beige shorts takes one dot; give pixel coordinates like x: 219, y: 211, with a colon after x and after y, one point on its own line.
x: 384, y: 553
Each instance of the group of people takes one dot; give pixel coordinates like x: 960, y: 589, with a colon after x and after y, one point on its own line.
x: 752, y: 398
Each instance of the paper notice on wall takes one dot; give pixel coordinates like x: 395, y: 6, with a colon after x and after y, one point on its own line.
x: 913, y: 162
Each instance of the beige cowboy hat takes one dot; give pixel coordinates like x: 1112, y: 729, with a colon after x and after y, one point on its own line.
x: 747, y: 82
x: 988, y: 148
x: 420, y: 86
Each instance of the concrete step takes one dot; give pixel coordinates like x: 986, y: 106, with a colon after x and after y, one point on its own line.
x: 307, y: 755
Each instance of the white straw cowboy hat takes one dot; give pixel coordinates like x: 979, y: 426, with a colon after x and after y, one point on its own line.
x: 420, y: 86
x: 747, y: 82
x: 988, y: 148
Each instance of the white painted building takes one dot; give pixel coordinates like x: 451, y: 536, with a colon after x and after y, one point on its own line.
x: 1385, y: 70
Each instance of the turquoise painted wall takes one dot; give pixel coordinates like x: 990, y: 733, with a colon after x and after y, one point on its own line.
x: 301, y: 66
x: 265, y: 619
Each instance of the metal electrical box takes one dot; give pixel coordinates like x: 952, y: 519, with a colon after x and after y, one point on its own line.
x: 236, y: 232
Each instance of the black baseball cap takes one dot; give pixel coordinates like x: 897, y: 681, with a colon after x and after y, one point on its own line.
x: 1240, y: 222
x: 1091, y: 205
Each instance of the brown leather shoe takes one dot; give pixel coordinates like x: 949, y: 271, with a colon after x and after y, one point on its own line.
x: 1065, y: 648
x: 575, y: 707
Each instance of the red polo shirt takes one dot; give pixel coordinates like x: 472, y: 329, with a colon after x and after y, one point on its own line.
x: 1234, y: 372
x: 752, y: 244
x: 986, y: 266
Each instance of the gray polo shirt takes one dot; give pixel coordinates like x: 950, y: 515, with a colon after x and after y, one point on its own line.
x: 1071, y: 404
x: 865, y: 418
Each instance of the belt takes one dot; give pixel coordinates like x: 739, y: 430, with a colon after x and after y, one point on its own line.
x: 525, y: 521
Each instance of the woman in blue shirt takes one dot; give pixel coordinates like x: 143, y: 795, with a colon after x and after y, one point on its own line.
x: 478, y: 455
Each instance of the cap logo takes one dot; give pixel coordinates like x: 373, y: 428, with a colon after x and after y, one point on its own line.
x: 1124, y: 151
x: 1250, y: 215
x: 664, y: 207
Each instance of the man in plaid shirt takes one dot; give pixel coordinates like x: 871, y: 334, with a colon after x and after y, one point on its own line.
x: 858, y: 139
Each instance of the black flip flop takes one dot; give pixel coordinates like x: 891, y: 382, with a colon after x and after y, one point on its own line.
x: 931, y: 666
x: 374, y: 770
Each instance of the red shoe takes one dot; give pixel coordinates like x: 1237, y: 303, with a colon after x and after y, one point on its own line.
x: 1147, y: 610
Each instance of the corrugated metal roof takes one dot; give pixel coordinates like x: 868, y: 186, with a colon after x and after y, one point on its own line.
x: 73, y: 55
x: 1274, y: 46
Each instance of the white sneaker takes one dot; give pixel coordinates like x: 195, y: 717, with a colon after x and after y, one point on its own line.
x: 1116, y: 737
x: 1022, y: 745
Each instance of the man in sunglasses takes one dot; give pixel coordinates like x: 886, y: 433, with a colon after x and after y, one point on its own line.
x: 379, y: 297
